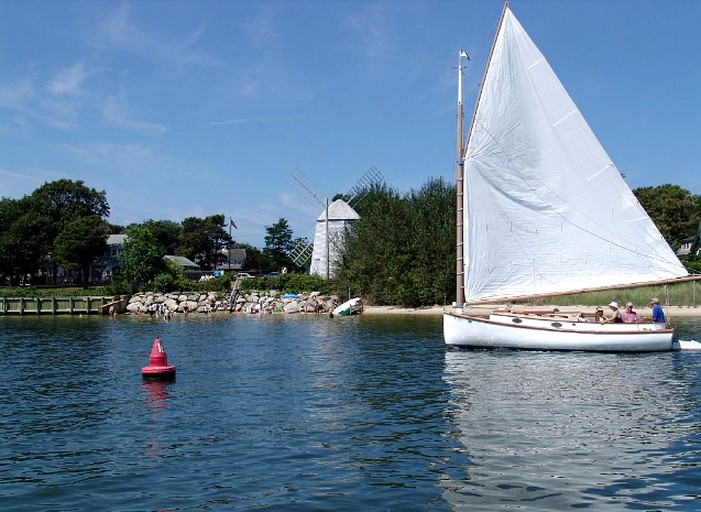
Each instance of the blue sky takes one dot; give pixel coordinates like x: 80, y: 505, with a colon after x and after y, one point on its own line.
x: 191, y: 108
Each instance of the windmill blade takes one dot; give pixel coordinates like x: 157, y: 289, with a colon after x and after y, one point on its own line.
x: 304, y: 185
x: 372, y: 177
x: 302, y: 252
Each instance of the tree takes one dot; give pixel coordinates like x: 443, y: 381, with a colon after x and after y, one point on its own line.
x: 58, y: 203
x: 166, y: 232
x: 278, y: 244
x: 402, y: 249
x: 21, y: 247
x: 141, y: 256
x: 80, y: 242
x: 202, y: 240
x: 675, y: 211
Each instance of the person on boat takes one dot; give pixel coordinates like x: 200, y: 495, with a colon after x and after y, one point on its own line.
x: 599, y: 315
x: 629, y: 316
x: 657, y: 313
x: 615, y: 315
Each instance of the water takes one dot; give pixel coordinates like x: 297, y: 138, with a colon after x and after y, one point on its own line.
x: 312, y: 413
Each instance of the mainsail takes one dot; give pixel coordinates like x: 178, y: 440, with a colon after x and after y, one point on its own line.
x: 546, y: 210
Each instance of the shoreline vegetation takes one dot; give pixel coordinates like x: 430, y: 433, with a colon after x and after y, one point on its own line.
x: 678, y: 300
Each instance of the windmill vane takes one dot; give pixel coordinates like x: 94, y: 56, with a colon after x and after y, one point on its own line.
x: 303, y: 251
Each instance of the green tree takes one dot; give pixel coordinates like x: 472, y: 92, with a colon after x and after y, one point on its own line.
x: 202, y: 240
x: 377, y: 255
x: 141, y: 257
x: 166, y: 232
x: 402, y: 250
x: 58, y: 203
x: 278, y: 244
x: 674, y: 210
x: 80, y: 241
x: 21, y: 247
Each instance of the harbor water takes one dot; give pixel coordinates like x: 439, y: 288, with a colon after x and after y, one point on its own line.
x: 368, y: 413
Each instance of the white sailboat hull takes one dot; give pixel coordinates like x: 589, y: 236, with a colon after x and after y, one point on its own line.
x: 533, y: 333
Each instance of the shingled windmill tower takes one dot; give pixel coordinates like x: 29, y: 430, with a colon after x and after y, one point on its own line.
x: 330, y: 234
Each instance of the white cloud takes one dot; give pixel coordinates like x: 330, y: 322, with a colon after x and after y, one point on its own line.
x: 371, y: 32
x: 68, y: 81
x: 118, y: 113
x: 119, y: 32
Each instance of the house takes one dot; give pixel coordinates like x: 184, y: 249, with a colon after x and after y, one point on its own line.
x: 233, y: 259
x: 107, y: 264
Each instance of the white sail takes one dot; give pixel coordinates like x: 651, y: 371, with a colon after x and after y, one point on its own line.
x: 546, y: 210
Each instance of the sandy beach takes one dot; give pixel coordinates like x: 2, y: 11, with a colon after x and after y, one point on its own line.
x: 670, y: 311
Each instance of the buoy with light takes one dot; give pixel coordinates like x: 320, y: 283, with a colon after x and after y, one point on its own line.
x: 158, y: 367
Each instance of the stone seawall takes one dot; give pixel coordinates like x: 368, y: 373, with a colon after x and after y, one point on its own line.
x: 210, y: 302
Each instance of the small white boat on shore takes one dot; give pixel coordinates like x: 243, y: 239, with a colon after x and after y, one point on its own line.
x: 353, y: 306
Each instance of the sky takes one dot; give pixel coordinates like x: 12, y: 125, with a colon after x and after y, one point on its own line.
x: 193, y: 108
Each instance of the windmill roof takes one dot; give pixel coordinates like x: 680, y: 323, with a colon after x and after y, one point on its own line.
x: 116, y: 239
x: 339, y: 210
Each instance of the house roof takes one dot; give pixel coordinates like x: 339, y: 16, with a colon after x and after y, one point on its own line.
x: 182, y: 261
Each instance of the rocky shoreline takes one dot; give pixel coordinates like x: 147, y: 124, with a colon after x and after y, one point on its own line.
x: 276, y: 302
x: 211, y: 302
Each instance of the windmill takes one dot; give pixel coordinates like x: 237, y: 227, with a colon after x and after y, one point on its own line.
x: 324, y: 243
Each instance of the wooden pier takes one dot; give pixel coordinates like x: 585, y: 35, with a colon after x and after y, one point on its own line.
x: 61, y: 305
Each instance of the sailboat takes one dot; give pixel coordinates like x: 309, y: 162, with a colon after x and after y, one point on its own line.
x: 543, y: 211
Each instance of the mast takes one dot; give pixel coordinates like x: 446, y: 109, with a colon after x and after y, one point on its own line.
x: 459, y: 182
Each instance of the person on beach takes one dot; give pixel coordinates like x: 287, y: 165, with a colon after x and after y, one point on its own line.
x: 615, y: 314
x: 629, y: 316
x: 657, y: 313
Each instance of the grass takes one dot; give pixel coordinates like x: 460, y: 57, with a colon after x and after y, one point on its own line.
x: 678, y: 294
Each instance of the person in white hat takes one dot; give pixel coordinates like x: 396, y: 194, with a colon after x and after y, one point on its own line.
x: 615, y: 314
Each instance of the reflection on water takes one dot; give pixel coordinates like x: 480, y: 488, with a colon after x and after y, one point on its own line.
x: 552, y: 431
x: 311, y: 413
x: 156, y: 394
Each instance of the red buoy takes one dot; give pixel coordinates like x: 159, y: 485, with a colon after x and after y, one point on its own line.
x: 158, y: 367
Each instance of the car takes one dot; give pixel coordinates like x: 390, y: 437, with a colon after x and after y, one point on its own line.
x: 244, y: 275
x: 272, y: 274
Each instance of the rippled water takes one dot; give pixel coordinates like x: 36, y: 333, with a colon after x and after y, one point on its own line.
x: 312, y: 413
